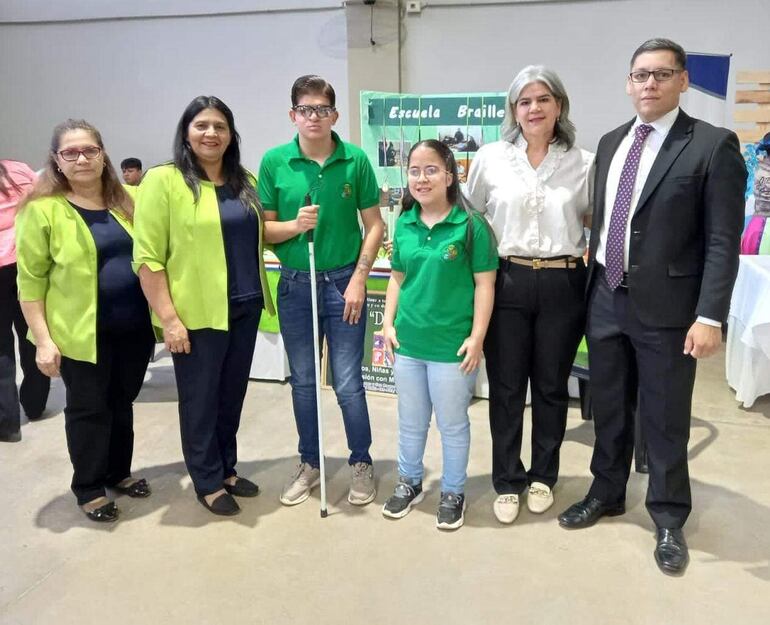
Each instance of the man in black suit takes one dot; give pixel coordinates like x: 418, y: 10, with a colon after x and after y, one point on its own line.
x: 668, y: 213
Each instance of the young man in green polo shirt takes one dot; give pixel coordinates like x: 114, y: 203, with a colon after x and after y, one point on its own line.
x: 342, y: 186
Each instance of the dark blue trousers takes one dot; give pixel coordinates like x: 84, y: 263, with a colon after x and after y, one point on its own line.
x: 628, y: 357
x: 211, y: 381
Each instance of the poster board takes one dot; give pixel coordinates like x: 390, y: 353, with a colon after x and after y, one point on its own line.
x: 377, y: 366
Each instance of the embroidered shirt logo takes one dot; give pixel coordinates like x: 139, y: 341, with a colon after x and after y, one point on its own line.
x: 347, y: 190
x: 450, y: 252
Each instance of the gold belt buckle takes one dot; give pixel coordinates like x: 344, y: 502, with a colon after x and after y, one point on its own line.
x: 537, y: 263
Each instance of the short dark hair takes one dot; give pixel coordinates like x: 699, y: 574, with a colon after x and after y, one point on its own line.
x: 131, y: 163
x: 312, y: 84
x: 659, y: 43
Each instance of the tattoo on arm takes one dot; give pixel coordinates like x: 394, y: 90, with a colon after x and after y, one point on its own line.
x: 364, y: 265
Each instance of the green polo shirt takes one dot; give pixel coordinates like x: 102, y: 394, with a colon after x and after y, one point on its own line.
x: 344, y: 185
x: 435, y: 306
x: 57, y: 264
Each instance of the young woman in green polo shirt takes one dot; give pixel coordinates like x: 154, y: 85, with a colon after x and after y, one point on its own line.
x: 198, y: 252
x: 85, y: 309
x: 437, y: 309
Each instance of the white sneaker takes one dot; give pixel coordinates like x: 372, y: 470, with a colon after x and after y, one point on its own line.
x: 305, y: 479
x: 506, y: 508
x: 362, y: 490
x: 539, y: 498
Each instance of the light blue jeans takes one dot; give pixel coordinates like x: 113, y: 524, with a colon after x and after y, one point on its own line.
x: 424, y: 386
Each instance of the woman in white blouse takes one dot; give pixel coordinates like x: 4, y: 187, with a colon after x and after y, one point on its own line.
x: 534, y: 188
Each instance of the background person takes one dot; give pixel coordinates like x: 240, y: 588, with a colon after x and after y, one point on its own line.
x: 132, y: 171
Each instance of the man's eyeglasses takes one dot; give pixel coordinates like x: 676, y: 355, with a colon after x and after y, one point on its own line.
x: 430, y: 171
x: 72, y: 154
x: 661, y: 75
x: 322, y: 111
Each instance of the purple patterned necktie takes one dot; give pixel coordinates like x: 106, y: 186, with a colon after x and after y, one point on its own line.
x: 616, y: 236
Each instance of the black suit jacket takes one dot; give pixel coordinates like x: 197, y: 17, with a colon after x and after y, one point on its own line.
x: 685, y: 231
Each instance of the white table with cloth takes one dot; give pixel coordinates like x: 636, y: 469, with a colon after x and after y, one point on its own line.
x: 748, y: 331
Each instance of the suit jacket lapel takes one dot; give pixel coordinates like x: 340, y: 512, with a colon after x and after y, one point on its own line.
x: 678, y: 137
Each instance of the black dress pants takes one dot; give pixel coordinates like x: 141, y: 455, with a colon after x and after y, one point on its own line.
x: 33, y: 393
x: 211, y: 381
x: 99, y: 413
x: 625, y: 355
x: 536, y: 326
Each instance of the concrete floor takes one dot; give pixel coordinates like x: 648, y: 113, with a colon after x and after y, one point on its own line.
x: 170, y: 561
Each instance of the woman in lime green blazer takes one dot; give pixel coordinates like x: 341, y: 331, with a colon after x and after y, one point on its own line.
x: 85, y: 309
x: 198, y: 251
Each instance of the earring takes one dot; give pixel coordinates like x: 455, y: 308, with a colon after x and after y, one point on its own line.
x: 58, y: 169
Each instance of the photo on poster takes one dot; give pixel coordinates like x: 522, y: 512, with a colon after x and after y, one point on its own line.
x: 465, y: 139
x: 392, y: 153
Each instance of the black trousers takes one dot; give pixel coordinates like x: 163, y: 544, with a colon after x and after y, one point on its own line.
x: 626, y: 355
x: 536, y: 326
x: 99, y: 413
x: 211, y: 381
x: 33, y: 393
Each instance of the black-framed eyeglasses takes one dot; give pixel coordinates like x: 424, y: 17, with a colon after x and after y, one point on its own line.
x: 73, y: 154
x: 661, y: 75
x: 322, y: 111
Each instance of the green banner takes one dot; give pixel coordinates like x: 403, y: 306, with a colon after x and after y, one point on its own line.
x: 392, y: 122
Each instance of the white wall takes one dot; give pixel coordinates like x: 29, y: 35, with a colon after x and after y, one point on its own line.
x: 130, y: 70
x: 589, y: 44
x: 133, y: 77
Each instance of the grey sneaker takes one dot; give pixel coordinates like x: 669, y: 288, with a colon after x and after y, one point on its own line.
x: 362, y: 489
x: 451, y: 511
x: 305, y: 479
x: 403, y: 498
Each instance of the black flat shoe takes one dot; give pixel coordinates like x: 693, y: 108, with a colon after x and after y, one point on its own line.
x: 587, y: 512
x: 224, y: 505
x: 671, y: 552
x: 108, y: 513
x: 140, y: 488
x: 242, y: 488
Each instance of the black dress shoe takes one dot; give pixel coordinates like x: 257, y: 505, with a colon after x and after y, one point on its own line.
x: 671, y: 553
x: 108, y: 513
x: 588, y: 511
x: 242, y: 488
x: 224, y: 505
x: 140, y: 488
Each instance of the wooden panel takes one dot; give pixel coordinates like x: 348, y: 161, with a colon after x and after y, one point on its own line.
x: 753, y: 77
x: 750, y: 136
x: 761, y: 114
x: 752, y: 97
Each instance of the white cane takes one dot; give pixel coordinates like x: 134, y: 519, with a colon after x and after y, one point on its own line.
x: 317, y: 353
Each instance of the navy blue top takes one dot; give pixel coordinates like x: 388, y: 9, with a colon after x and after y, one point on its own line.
x: 240, y: 231
x: 121, y: 305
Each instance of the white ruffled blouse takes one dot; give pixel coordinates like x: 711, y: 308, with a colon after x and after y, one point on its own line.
x: 533, y: 212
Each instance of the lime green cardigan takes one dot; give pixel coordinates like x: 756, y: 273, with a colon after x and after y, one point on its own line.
x: 57, y: 264
x: 174, y: 233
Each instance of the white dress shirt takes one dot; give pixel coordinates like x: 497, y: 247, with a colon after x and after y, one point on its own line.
x: 650, y: 149
x: 534, y: 212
